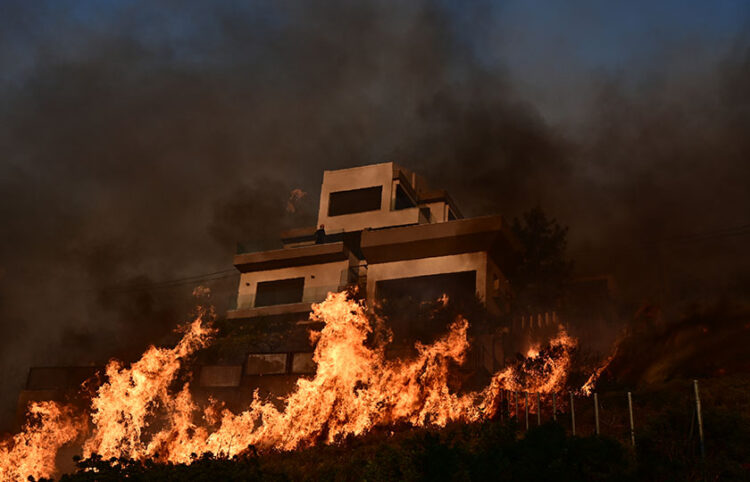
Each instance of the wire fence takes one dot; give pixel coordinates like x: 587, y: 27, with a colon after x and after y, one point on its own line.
x: 617, y: 415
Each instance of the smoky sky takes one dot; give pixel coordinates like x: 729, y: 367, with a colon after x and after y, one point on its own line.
x: 140, y: 140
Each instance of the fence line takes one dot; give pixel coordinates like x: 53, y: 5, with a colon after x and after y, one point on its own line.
x: 526, y: 407
x: 628, y: 428
x: 538, y: 409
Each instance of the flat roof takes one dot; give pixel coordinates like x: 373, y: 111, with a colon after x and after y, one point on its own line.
x: 489, y: 233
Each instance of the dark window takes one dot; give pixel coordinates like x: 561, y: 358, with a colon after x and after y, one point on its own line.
x: 355, y: 201
x: 265, y: 364
x: 403, y: 201
x: 303, y: 363
x: 429, y: 288
x: 451, y: 216
x: 58, y: 378
x: 279, y: 292
x: 409, y: 303
x: 220, y: 376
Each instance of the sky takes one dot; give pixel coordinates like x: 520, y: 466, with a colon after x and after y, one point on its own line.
x: 141, y: 140
x: 551, y: 49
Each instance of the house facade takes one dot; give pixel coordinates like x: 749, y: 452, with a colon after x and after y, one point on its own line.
x: 381, y: 232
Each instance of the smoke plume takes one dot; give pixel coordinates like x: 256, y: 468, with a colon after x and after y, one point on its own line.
x: 141, y: 140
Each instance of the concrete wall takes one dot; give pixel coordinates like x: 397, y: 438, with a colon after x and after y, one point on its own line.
x: 428, y: 266
x: 319, y: 280
x: 358, y: 178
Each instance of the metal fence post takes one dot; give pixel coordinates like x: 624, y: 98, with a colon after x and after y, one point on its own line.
x: 507, y: 402
x: 554, y: 407
x: 572, y: 414
x: 632, y: 425
x: 526, y: 407
x: 538, y: 409
x: 596, y: 412
x: 700, y: 418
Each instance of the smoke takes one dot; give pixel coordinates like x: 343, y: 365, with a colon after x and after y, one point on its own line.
x: 140, y: 141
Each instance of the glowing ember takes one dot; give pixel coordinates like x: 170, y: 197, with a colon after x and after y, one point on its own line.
x: 135, y: 415
x: 544, y: 371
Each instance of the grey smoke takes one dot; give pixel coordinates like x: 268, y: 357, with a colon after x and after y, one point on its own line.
x: 140, y: 145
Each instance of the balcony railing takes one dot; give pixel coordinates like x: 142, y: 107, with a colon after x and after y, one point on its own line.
x: 313, y: 294
x: 351, y: 276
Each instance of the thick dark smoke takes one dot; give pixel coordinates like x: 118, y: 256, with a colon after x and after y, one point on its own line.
x: 139, y: 144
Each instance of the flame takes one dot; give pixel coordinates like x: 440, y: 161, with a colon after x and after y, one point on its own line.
x: 355, y: 389
x: 32, y: 451
x: 122, y: 406
x: 544, y: 371
x: 588, y: 387
x: 590, y: 384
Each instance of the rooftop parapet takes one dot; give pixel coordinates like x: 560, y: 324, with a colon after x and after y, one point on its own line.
x: 378, y: 196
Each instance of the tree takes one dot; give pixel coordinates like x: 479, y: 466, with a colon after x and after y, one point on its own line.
x: 540, y: 276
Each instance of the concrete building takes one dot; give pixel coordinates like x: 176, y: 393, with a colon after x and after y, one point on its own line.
x: 383, y: 230
x: 383, y: 233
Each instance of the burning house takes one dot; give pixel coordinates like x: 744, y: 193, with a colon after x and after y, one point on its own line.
x: 299, y: 333
x: 386, y: 237
x: 381, y: 233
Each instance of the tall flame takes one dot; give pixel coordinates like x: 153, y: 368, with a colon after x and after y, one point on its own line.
x: 355, y: 388
x: 32, y: 451
x: 122, y: 406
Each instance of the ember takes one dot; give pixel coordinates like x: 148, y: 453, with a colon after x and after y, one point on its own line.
x: 544, y: 370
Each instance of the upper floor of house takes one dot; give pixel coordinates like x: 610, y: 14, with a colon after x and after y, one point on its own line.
x: 373, y: 197
x: 377, y: 224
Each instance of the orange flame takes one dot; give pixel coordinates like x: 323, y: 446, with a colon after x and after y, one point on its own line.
x: 544, y: 371
x: 122, y: 406
x: 354, y: 389
x: 588, y: 387
x: 32, y: 451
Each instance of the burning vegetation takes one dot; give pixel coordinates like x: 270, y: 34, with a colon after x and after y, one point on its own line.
x: 140, y: 414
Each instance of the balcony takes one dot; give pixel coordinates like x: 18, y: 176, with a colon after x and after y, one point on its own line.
x: 246, y: 304
x: 289, y: 257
